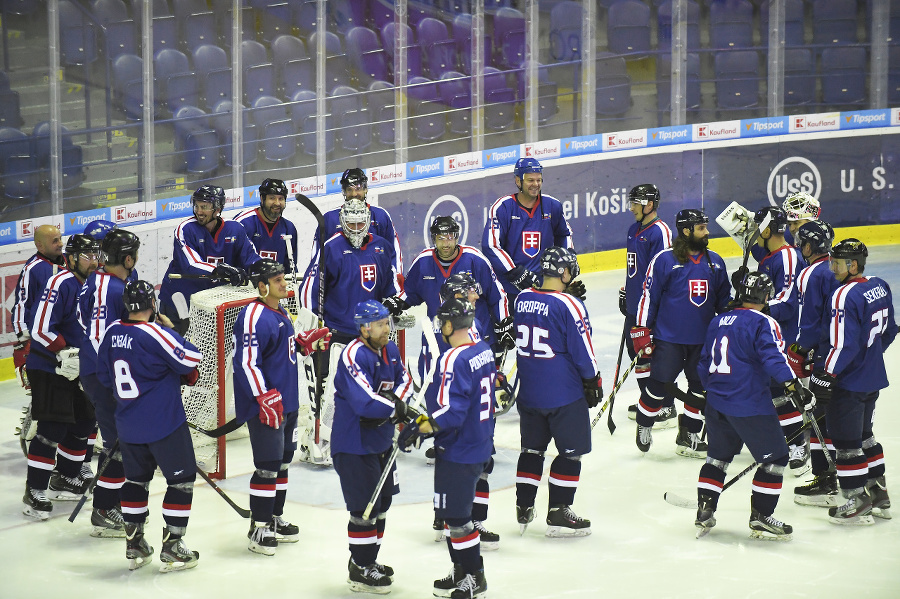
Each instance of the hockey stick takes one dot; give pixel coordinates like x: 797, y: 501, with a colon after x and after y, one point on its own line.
x: 428, y: 330
x: 815, y: 426
x: 609, y: 417
x: 682, y: 502
x: 244, y: 513
x: 94, y: 480
x: 230, y: 426
x: 615, y: 390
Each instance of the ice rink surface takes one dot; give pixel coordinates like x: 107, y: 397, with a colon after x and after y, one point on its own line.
x: 641, y: 546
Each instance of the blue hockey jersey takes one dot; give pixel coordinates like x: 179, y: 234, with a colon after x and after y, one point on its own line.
x: 264, y: 359
x: 380, y: 225
x: 743, y: 352
x: 99, y: 304
x: 861, y: 329
x: 352, y: 275
x: 31, y: 283
x: 360, y: 375
x: 514, y: 236
x: 270, y: 242
x: 680, y: 300
x: 815, y: 286
x: 56, y: 323
x: 642, y: 244
x: 783, y: 265
x: 196, y: 251
x: 554, y: 349
x: 142, y: 363
x: 465, y: 399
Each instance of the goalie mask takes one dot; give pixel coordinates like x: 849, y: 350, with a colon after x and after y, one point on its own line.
x: 801, y: 206
x: 355, y: 220
x: 756, y: 288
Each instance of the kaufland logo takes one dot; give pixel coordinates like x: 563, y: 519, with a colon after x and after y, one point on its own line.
x: 306, y: 186
x: 501, y: 156
x: 26, y: 228
x: 895, y: 116
x: 582, y: 145
x: 176, y: 206
x: 234, y: 198
x: 387, y: 174
x: 726, y: 130
x: 462, y: 162
x: 815, y: 122
x: 134, y: 212
x: 544, y: 149
x: 625, y: 139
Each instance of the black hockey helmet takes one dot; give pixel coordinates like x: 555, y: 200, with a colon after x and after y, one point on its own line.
x: 460, y: 282
x: 644, y: 193
x: 81, y: 244
x: 818, y: 234
x: 555, y: 260
x: 756, y: 288
x: 99, y: 228
x: 354, y: 177
x: 263, y: 270
x: 444, y: 225
x: 851, y: 249
x: 688, y: 217
x: 778, y: 222
x: 368, y: 312
x: 212, y: 194
x: 118, y: 244
x: 272, y: 186
x: 459, y: 312
x: 138, y: 296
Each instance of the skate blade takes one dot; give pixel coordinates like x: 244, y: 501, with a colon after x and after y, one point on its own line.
x: 101, y: 532
x: 177, y: 566
x: 62, y: 496
x: 798, y: 472
x: 866, y: 520
x: 883, y: 513
x: 438, y: 536
x: 816, y: 502
x: 665, y: 424
x: 560, y: 532
x: 287, y: 538
x: 767, y: 536
x: 522, y: 528
x: 490, y: 545
x: 138, y: 562
x: 429, y: 461
x: 261, y: 550
x: 703, y: 532
x: 689, y: 453
x: 36, y: 515
x: 359, y: 587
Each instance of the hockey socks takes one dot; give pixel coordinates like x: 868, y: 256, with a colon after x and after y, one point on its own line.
x: 177, y: 505
x: 874, y: 457
x: 281, y: 485
x: 852, y: 469
x: 711, y: 481
x: 528, y: 476
x: 135, y: 495
x: 817, y: 453
x: 650, y: 403
x: 41, y: 460
x: 362, y: 536
x: 109, y: 485
x: 465, y: 544
x: 563, y: 479
x: 482, y: 494
x: 766, y: 487
x: 71, y: 451
x: 263, y: 494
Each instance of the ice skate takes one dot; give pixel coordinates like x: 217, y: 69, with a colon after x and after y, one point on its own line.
x: 446, y: 585
x: 563, y: 522
x: 108, y: 524
x: 706, y: 518
x: 368, y: 579
x: 438, y: 527
x: 632, y: 411
x: 65, y: 488
x: 36, y: 504
x: 429, y: 456
x: 768, y: 528
x: 470, y: 586
x: 86, y: 474
x: 856, y: 512
x: 666, y: 418
x: 643, y: 438
x: 524, y: 514
x: 689, y: 444
x: 881, y: 503
x: 262, y: 539
x: 284, y: 531
x: 821, y: 492
x: 175, y: 555
x: 490, y: 541
x: 799, y: 460
x: 137, y: 549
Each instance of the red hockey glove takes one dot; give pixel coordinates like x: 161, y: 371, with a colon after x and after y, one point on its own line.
x: 270, y: 409
x: 800, y: 361
x: 312, y: 340
x: 190, y: 379
x: 20, y: 352
x: 642, y: 339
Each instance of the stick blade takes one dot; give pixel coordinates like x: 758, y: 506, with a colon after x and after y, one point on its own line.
x: 679, y: 501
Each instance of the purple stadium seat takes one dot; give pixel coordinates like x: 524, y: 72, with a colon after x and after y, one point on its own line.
x: 565, y: 31
x: 509, y: 37
x: 628, y: 28
x: 439, y: 49
x: 737, y: 79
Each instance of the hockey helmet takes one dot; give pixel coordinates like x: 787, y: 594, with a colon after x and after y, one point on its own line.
x: 459, y: 312
x: 212, y: 194
x: 444, y: 225
x: 99, y: 228
x: 368, y: 312
x: 138, y: 296
x: 118, y: 244
x: 800, y: 206
x: 527, y: 165
x: 355, y: 178
x: 778, y: 222
x: 355, y: 220
x: 643, y: 194
x: 688, y: 218
x: 263, y: 270
x: 460, y: 282
x: 756, y: 288
x: 556, y: 260
x: 818, y: 234
x: 273, y: 187
x: 851, y: 249
x: 81, y: 244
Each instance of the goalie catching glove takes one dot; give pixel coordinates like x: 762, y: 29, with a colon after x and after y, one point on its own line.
x: 271, y: 412
x: 642, y: 339
x: 413, y: 434
x: 313, y: 340
x: 503, y: 330
x: 593, y: 391
x: 230, y: 274
x: 68, y: 363
x: 522, y: 278
x: 800, y: 396
x: 821, y: 383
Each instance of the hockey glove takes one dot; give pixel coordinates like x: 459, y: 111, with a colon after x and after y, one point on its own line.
x: 20, y: 351
x: 623, y: 305
x: 800, y: 360
x: 642, y: 339
x: 522, y: 278
x: 576, y: 288
x: 503, y: 330
x: 737, y: 278
x: 313, y: 340
x: 68, y: 363
x: 821, y: 383
x: 593, y: 391
x: 190, y: 379
x: 395, y: 305
x: 801, y: 397
x: 403, y: 412
x: 271, y: 412
x: 231, y: 275
x: 412, y: 434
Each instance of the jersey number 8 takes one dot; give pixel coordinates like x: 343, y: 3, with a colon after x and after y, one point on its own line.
x: 126, y: 386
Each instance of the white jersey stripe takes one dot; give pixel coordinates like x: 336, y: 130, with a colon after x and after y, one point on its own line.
x: 193, y: 257
x: 445, y: 370
x: 168, y: 343
x: 41, y: 329
x: 348, y: 357
x: 250, y: 351
x: 837, y: 326
x: 494, y: 237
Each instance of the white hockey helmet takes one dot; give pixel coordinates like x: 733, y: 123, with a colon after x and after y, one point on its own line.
x: 800, y: 206
x: 355, y: 219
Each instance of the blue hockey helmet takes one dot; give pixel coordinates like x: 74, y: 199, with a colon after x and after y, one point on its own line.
x: 368, y: 312
x: 527, y: 165
x: 99, y: 228
x: 556, y: 260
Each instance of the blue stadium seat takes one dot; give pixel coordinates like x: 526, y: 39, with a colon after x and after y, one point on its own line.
x: 565, y: 31
x: 276, y: 130
x: 731, y: 24
x: 351, y: 119
x: 737, y: 79
x: 426, y: 121
x: 628, y: 28
x: 843, y: 75
x: 613, y: 95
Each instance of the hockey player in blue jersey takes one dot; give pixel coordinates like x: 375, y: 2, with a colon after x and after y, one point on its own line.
x: 648, y: 236
x: 371, y: 389
x: 862, y: 327
x: 99, y: 305
x: 64, y: 415
x: 815, y: 285
x: 743, y: 352
x: 145, y: 364
x: 521, y: 226
x: 462, y: 423
x: 560, y: 382
x: 266, y: 397
x: 204, y: 245
x: 686, y: 286
x: 267, y: 228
